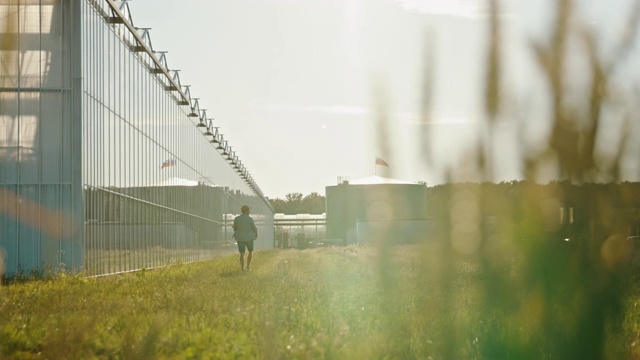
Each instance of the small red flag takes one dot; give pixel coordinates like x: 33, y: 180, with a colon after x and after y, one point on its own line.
x: 381, y: 162
x: 168, y: 163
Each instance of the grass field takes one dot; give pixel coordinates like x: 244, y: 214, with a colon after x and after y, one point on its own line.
x: 399, y: 302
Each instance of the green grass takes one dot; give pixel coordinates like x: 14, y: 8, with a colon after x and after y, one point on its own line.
x: 398, y: 302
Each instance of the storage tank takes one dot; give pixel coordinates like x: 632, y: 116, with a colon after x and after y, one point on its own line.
x: 376, y: 208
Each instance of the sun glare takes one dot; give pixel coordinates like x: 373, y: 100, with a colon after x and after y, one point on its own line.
x: 463, y: 8
x: 453, y: 120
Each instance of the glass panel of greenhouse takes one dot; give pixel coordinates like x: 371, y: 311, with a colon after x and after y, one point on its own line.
x: 107, y: 164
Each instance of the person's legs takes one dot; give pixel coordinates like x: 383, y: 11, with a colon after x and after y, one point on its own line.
x: 241, y: 248
x: 250, y: 248
x: 249, y: 260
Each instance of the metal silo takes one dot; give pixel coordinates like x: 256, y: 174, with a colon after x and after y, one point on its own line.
x: 374, y: 208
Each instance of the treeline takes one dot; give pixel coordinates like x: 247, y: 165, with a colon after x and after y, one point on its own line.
x: 594, y: 208
x: 296, y: 203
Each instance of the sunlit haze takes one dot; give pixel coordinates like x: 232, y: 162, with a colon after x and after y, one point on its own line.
x: 291, y: 83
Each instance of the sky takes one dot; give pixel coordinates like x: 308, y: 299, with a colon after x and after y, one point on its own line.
x: 298, y: 86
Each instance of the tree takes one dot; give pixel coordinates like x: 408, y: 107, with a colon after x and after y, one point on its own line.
x: 279, y: 205
x: 314, y: 203
x: 296, y: 203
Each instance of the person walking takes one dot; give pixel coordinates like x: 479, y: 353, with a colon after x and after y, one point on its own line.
x: 245, y: 232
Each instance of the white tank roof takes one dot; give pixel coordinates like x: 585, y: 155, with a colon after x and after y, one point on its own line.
x: 373, y: 180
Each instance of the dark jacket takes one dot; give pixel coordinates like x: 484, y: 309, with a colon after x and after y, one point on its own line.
x: 244, y: 228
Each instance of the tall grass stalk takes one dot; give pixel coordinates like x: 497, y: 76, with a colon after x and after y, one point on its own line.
x: 562, y: 294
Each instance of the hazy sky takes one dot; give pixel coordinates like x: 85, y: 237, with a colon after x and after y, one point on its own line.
x: 292, y: 83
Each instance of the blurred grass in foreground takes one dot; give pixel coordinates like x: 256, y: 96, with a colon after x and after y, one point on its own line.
x: 318, y: 303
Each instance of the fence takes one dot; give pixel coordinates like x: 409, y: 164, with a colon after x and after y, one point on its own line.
x: 300, y: 231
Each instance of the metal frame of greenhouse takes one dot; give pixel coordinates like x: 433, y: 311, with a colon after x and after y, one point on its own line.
x: 107, y: 163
